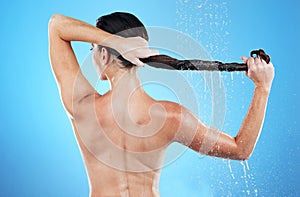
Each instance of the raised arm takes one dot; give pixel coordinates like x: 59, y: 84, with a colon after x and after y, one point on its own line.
x: 197, y: 136
x: 63, y: 30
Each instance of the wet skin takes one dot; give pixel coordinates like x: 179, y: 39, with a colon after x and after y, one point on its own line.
x: 123, y: 135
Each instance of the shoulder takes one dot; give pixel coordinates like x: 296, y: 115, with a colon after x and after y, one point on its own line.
x: 179, y: 116
x: 174, y: 113
x: 173, y: 109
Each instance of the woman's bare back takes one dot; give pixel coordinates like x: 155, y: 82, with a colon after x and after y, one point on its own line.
x: 123, y: 157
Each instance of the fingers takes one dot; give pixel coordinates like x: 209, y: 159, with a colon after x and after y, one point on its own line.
x: 259, y: 71
x: 250, y: 63
x: 153, y: 52
x: 252, y: 60
x: 137, y: 47
x: 257, y: 60
x: 244, y: 59
x: 251, y: 66
x: 144, y: 53
x: 138, y: 62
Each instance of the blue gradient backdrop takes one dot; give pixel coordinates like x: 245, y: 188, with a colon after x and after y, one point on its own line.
x: 39, y: 154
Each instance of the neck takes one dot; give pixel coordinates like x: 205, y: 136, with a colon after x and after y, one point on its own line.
x: 126, y: 79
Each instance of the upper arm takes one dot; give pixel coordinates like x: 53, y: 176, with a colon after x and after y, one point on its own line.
x: 73, y: 86
x: 192, y: 133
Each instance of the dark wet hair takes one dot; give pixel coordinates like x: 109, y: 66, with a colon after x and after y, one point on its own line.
x: 122, y: 24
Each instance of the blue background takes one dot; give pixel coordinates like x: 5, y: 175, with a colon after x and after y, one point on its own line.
x: 39, y: 154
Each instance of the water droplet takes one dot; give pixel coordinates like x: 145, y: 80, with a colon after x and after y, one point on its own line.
x: 230, y: 169
x: 247, y: 165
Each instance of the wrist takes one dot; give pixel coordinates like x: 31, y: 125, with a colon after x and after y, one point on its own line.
x: 262, y: 89
x: 112, y: 41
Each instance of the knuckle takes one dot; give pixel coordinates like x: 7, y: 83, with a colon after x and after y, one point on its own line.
x: 260, y: 65
x: 250, y: 59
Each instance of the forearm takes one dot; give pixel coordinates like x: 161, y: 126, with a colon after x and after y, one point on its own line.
x: 251, y: 127
x: 70, y: 29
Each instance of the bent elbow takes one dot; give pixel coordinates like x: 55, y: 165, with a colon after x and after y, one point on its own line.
x: 53, y: 21
x: 243, y: 155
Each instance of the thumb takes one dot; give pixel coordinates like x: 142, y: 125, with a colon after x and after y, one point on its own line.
x: 244, y: 59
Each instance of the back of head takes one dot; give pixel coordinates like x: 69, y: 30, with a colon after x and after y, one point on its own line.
x: 122, y: 24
